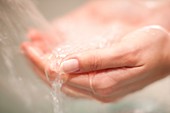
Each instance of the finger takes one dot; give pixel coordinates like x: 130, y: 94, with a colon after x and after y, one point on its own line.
x: 107, y: 86
x: 86, y: 80
x: 80, y: 93
x: 104, y: 81
x: 122, y: 55
x: 116, y: 94
x: 82, y: 81
x: 33, y: 54
x: 34, y: 35
x: 131, y: 87
x: 118, y: 56
x: 39, y: 40
x: 41, y: 75
x: 40, y: 60
x: 94, y: 60
x: 75, y: 92
x: 128, y: 88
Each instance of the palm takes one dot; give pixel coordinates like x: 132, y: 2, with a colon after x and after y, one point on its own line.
x: 94, y: 19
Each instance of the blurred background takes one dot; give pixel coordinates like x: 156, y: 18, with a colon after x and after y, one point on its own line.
x: 56, y: 8
x: 151, y: 99
x: 26, y: 93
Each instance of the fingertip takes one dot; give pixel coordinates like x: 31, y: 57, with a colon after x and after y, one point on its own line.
x: 34, y: 35
x: 70, y: 66
x: 34, y: 55
x: 24, y: 46
x: 30, y: 51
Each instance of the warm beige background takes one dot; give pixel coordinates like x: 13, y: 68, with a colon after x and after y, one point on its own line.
x: 52, y: 8
x: 152, y: 96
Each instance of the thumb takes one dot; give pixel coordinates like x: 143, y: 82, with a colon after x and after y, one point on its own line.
x: 98, y: 59
x: 123, y: 54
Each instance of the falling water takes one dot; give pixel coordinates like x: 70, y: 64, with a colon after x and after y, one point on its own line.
x: 23, y: 92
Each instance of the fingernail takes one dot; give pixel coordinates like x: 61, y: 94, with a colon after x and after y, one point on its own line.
x: 70, y: 66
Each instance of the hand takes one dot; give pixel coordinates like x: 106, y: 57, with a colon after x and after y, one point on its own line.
x: 138, y: 59
x: 87, y: 22
x: 41, y: 43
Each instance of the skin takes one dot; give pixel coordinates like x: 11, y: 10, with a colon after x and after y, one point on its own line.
x: 138, y: 57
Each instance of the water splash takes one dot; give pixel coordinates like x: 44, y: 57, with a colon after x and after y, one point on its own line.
x: 22, y: 88
x: 19, y: 85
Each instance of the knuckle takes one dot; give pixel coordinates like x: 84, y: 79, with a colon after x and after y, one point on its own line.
x: 127, y: 54
x: 130, y: 60
x: 95, y: 62
x: 158, y: 32
x: 131, y: 55
x: 101, y: 81
x: 103, y: 85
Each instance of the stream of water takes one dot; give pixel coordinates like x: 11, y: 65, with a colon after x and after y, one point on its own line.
x: 23, y: 92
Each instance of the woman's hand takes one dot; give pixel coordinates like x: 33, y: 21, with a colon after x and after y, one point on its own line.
x: 128, y: 53
x: 138, y: 59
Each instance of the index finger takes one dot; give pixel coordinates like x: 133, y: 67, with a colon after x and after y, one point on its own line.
x: 35, y: 55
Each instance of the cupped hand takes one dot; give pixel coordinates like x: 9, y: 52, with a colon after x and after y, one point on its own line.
x: 115, y: 71
x: 137, y: 60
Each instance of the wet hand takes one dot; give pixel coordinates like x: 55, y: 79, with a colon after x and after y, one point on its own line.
x: 137, y: 60
x: 88, y: 21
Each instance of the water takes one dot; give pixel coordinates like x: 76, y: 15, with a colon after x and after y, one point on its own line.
x: 23, y: 92
x: 146, y: 101
x: 20, y: 87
